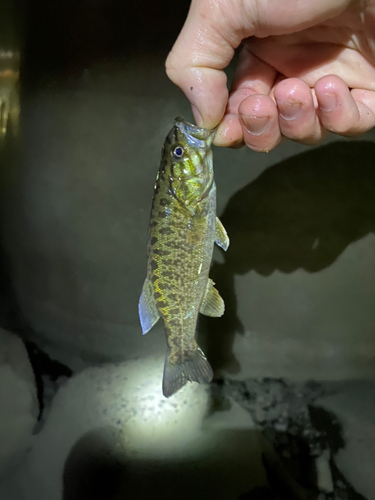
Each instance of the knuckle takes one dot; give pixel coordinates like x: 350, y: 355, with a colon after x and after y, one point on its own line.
x: 304, y: 133
x: 171, y: 68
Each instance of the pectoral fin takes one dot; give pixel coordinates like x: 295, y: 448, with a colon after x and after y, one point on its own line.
x: 221, y: 237
x: 148, y: 312
x: 212, y: 303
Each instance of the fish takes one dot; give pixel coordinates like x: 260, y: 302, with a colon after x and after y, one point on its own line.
x: 182, y: 232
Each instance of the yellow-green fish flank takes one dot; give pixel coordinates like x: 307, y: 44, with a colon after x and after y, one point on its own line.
x: 183, y: 230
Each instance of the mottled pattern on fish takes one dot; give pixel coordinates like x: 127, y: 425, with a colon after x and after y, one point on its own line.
x: 183, y: 229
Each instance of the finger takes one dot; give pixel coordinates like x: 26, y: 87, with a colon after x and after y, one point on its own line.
x: 203, y: 49
x: 278, y: 18
x: 365, y: 98
x: 297, y: 115
x: 252, y: 77
x: 338, y: 111
x: 298, y: 56
x: 229, y: 133
x: 260, y: 125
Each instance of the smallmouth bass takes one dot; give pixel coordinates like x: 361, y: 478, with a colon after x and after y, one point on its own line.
x: 182, y: 232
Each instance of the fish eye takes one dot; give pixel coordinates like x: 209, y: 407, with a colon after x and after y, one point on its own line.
x: 178, y: 153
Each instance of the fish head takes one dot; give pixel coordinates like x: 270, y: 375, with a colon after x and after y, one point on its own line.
x: 187, y: 152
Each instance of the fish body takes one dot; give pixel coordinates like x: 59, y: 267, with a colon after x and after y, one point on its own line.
x: 182, y: 232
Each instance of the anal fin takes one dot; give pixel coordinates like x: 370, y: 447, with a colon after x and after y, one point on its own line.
x: 221, y: 236
x: 148, y: 312
x: 212, y: 303
x: 194, y: 368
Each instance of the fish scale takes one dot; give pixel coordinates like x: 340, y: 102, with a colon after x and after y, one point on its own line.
x: 183, y: 229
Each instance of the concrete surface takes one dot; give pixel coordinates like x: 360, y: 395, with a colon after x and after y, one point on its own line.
x: 354, y: 407
x: 18, y: 402
x: 111, y: 434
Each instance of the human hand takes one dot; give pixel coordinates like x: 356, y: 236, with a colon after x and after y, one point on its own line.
x: 306, y: 68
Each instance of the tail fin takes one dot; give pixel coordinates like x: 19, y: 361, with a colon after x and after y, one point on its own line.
x: 195, y: 368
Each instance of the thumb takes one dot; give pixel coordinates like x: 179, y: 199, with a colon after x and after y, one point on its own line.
x: 203, y: 49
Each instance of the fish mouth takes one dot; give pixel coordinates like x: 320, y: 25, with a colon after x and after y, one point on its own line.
x: 200, y: 133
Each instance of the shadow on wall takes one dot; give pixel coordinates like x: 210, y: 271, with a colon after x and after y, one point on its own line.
x: 301, y: 213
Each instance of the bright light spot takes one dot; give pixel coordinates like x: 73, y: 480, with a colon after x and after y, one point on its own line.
x: 154, y: 425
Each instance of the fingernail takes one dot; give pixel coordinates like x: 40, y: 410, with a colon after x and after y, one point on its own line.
x: 327, y: 101
x: 289, y: 110
x: 255, y: 125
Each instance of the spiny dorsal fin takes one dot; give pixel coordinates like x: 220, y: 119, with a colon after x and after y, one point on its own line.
x: 148, y: 312
x: 221, y: 237
x: 194, y: 368
x: 212, y: 303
